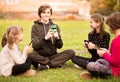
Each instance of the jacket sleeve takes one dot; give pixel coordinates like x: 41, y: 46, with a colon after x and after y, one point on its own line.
x: 37, y: 40
x: 113, y: 58
x: 59, y: 42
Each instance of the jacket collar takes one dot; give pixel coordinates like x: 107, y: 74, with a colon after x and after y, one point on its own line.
x: 39, y: 22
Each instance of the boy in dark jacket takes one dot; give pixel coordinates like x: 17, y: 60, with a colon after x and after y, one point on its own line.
x: 46, y: 40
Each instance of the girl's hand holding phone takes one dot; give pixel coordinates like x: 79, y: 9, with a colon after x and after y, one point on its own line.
x: 91, y: 45
x: 86, y: 44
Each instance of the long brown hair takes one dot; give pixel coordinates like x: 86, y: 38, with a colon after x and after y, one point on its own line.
x: 98, y: 18
x: 10, y: 36
x: 113, y: 21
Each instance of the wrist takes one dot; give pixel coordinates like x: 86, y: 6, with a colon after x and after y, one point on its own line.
x: 102, y: 54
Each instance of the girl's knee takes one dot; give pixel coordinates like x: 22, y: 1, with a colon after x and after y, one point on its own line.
x: 92, y: 66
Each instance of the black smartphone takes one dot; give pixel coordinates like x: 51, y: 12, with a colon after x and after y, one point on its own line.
x: 30, y: 42
x: 86, y: 41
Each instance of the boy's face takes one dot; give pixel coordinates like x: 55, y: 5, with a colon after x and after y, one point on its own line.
x: 46, y: 15
x: 93, y: 24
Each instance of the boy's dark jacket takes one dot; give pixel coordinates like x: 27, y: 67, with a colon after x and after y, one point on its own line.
x: 39, y: 44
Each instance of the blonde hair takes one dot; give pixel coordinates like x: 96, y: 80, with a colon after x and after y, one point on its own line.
x: 10, y: 36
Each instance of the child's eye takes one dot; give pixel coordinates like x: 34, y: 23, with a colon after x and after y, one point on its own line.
x: 48, y: 12
x: 44, y: 12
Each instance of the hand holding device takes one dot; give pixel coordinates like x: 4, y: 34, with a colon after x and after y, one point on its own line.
x: 101, y: 52
x: 48, y: 35
x: 90, y: 45
x: 86, y: 42
x: 53, y: 28
x: 56, y: 35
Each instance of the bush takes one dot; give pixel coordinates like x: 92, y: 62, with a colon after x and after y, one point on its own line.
x: 104, y: 7
x: 1, y: 15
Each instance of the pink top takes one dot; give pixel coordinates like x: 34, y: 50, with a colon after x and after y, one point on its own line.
x: 114, y: 57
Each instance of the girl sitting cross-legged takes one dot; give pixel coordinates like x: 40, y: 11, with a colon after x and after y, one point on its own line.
x: 98, y: 37
x: 110, y: 65
x: 12, y: 61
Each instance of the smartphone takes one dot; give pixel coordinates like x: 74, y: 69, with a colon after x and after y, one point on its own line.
x: 86, y: 41
x: 30, y: 42
x: 53, y: 28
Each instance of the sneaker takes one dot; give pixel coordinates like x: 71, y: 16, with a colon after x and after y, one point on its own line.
x: 42, y: 67
x: 29, y: 73
x: 86, y: 75
x: 78, y: 67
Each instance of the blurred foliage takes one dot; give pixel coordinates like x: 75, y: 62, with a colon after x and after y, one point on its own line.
x: 1, y: 15
x: 104, y: 7
x: 117, y: 7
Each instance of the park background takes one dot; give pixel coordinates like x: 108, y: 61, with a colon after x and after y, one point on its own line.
x: 72, y: 16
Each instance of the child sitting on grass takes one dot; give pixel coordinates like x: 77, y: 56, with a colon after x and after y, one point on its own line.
x: 97, y: 37
x: 46, y: 39
x: 110, y: 65
x: 12, y: 61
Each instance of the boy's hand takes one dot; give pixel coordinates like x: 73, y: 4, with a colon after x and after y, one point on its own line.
x: 56, y: 35
x: 49, y: 35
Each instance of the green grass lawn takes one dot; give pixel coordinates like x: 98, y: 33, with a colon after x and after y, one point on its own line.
x: 73, y: 34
